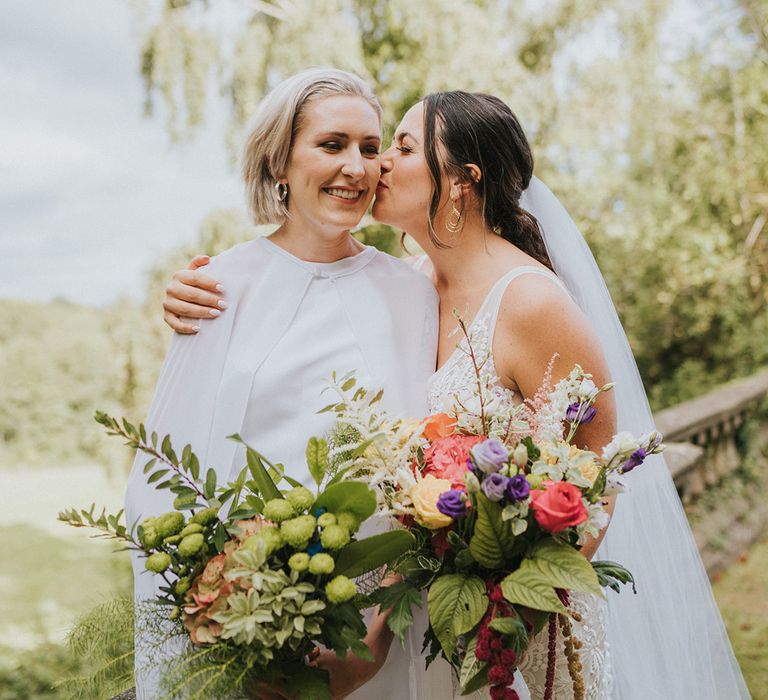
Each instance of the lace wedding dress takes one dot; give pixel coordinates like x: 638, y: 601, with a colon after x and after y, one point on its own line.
x: 456, y: 382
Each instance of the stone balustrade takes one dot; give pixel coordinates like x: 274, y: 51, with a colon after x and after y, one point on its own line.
x: 704, y: 449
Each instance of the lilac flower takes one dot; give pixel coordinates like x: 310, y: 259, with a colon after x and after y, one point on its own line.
x: 517, y: 488
x: 573, y: 413
x: 493, y: 486
x: 452, y: 504
x: 635, y: 460
x: 490, y: 455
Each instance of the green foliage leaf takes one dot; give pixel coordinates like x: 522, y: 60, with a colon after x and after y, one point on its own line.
x: 456, y: 603
x: 317, y: 458
x: 209, y: 490
x: 365, y: 555
x: 308, y: 683
x: 353, y: 496
x: 513, y: 628
x: 493, y: 535
x: 399, y: 599
x: 264, y: 485
x: 471, y: 666
x: 563, y: 567
x: 531, y: 589
x: 612, y: 575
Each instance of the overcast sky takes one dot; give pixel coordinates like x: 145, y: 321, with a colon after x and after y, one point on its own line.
x: 91, y: 191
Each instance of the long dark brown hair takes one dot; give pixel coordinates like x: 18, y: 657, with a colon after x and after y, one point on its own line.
x: 462, y: 128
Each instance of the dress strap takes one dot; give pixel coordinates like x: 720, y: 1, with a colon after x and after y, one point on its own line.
x: 418, y: 262
x: 492, y: 303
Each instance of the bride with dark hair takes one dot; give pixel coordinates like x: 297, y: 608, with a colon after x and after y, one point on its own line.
x: 502, y: 251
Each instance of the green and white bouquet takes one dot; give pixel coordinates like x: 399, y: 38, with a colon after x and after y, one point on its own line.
x: 254, y: 577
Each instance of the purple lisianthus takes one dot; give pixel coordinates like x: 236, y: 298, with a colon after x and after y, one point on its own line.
x: 635, y: 460
x: 490, y: 455
x: 518, y: 488
x: 452, y: 503
x: 572, y: 413
x: 493, y: 486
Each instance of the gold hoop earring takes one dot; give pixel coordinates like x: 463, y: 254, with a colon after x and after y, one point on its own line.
x: 281, y: 191
x: 455, y: 221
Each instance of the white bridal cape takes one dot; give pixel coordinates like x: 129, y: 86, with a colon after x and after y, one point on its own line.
x: 260, y: 369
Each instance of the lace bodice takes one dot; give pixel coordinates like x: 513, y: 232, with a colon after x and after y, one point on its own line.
x: 455, y: 384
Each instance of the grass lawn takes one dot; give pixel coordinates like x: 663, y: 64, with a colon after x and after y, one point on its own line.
x: 742, y: 594
x: 50, y: 573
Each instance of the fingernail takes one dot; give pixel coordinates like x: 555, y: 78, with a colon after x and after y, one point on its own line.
x: 219, y: 288
x: 223, y: 304
x: 195, y: 329
x: 214, y: 312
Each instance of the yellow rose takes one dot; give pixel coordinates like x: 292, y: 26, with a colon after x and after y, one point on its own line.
x: 589, y: 470
x: 424, y: 494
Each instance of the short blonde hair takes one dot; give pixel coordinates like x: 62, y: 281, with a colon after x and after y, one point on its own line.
x: 274, y: 126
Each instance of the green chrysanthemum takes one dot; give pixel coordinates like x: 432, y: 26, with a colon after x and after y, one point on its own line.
x: 299, y: 561
x: 191, y: 529
x: 148, y: 536
x: 321, y: 563
x: 173, y: 539
x: 298, y: 531
x: 348, y: 520
x: 182, y: 586
x: 158, y: 562
x: 326, y: 519
x: 170, y: 524
x: 191, y: 545
x: 340, y: 589
x: 278, y: 509
x: 300, y: 498
x: 205, y: 516
x: 269, y: 535
x: 334, y: 537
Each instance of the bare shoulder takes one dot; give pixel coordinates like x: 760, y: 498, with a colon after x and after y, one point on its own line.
x: 537, y: 301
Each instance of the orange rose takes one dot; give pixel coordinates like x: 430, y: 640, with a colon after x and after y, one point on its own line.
x: 439, y: 425
x: 558, y: 507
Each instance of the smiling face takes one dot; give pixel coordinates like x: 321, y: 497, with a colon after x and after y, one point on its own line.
x: 405, y: 188
x: 334, y: 165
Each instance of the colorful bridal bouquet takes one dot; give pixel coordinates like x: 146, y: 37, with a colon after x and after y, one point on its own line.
x: 253, y: 577
x: 499, y: 501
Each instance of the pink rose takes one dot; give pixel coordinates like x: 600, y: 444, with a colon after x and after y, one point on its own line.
x: 558, y: 507
x: 446, y: 457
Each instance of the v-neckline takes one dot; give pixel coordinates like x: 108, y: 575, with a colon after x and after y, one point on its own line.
x: 475, y: 319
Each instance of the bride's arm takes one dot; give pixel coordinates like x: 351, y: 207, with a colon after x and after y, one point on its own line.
x: 191, y: 294
x: 538, y: 321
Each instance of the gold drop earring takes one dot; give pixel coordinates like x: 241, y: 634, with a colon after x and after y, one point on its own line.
x: 455, y: 221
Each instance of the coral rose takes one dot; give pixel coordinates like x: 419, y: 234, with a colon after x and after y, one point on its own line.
x: 558, y: 507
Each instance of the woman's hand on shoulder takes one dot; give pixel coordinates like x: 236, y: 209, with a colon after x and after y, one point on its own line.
x: 191, y: 294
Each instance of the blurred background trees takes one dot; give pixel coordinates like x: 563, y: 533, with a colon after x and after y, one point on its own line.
x: 648, y: 119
